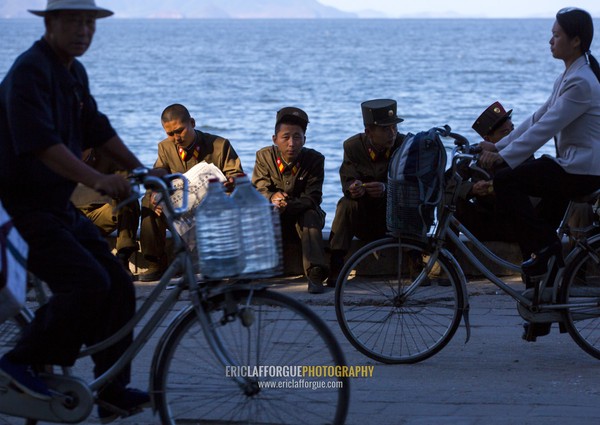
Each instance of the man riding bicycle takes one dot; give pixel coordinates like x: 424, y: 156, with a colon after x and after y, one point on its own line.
x: 47, y: 118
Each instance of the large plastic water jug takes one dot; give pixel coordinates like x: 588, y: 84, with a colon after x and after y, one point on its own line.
x: 260, y: 229
x: 218, y: 234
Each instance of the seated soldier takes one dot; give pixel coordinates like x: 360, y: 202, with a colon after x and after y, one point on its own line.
x: 183, y: 148
x: 101, y: 210
x: 363, y: 173
x: 291, y: 177
x: 476, y: 204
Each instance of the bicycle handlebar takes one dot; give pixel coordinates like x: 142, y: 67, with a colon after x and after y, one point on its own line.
x: 463, y: 151
x: 162, y: 185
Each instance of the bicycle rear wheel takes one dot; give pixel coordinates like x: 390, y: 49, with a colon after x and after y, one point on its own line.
x: 384, y: 315
x: 265, y: 336
x: 581, y: 285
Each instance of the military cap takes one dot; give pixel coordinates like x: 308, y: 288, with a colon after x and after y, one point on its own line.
x: 494, y: 116
x: 380, y: 112
x: 292, y: 114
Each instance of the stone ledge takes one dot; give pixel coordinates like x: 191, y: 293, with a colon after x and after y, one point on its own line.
x: 293, y: 257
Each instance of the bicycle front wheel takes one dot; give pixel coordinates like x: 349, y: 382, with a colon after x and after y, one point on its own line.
x: 276, y: 362
x: 581, y: 289
x: 385, y: 314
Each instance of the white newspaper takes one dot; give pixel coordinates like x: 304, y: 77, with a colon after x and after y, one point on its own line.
x: 197, y: 177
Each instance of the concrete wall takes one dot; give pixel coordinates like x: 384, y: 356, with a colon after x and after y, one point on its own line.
x: 293, y: 257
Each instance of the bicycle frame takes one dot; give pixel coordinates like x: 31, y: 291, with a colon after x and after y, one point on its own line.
x: 182, y: 262
x: 213, y: 304
x: 449, y: 228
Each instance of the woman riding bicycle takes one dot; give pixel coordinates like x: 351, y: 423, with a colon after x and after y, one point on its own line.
x: 572, y: 116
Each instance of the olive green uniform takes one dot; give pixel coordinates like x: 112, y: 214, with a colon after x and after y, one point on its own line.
x: 303, y: 182
x: 125, y: 221
x: 211, y: 149
x: 362, y: 217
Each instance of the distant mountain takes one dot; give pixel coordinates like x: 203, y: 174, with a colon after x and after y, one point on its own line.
x: 371, y: 14
x: 207, y: 9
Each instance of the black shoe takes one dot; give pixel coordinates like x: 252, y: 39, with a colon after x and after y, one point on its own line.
x: 25, y: 378
x: 316, y: 275
x: 315, y: 288
x: 127, y: 402
x: 154, y: 272
x: 150, y: 275
x: 537, y: 265
x: 123, y: 256
x: 532, y: 330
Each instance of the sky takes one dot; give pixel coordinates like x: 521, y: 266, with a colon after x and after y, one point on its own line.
x: 466, y: 8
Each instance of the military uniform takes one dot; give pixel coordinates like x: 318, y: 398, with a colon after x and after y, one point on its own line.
x: 480, y: 214
x: 125, y: 221
x: 303, y: 182
x: 207, y: 147
x: 363, y: 217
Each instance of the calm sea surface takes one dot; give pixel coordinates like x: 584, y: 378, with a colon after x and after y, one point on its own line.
x: 234, y: 75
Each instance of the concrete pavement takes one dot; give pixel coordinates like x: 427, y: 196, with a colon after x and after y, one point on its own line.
x: 497, y: 378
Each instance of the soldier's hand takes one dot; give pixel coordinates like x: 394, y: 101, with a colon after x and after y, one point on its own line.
x: 482, y: 188
x: 375, y: 189
x: 279, y: 200
x: 155, y: 198
x: 229, y: 184
x: 357, y: 189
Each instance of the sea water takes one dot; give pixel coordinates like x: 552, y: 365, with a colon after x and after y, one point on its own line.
x: 234, y: 75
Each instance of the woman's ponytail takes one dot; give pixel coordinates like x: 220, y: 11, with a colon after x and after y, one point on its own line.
x: 594, y: 65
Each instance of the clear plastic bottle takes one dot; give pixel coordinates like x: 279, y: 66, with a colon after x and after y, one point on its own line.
x: 218, y: 234
x: 260, y: 232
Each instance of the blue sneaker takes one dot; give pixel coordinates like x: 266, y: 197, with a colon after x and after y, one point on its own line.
x: 124, y: 403
x: 25, y: 378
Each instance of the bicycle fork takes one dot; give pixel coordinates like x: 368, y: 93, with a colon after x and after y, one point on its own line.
x: 403, y: 292
x: 231, y: 313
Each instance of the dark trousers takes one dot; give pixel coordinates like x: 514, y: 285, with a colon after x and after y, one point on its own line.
x: 545, y: 179
x: 307, y: 226
x: 92, y: 295
x: 153, y: 232
x: 363, y: 217
x: 485, y: 221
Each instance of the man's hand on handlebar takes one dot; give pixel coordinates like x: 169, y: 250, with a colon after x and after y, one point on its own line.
x: 489, y: 159
x: 114, y: 185
x: 486, y: 146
